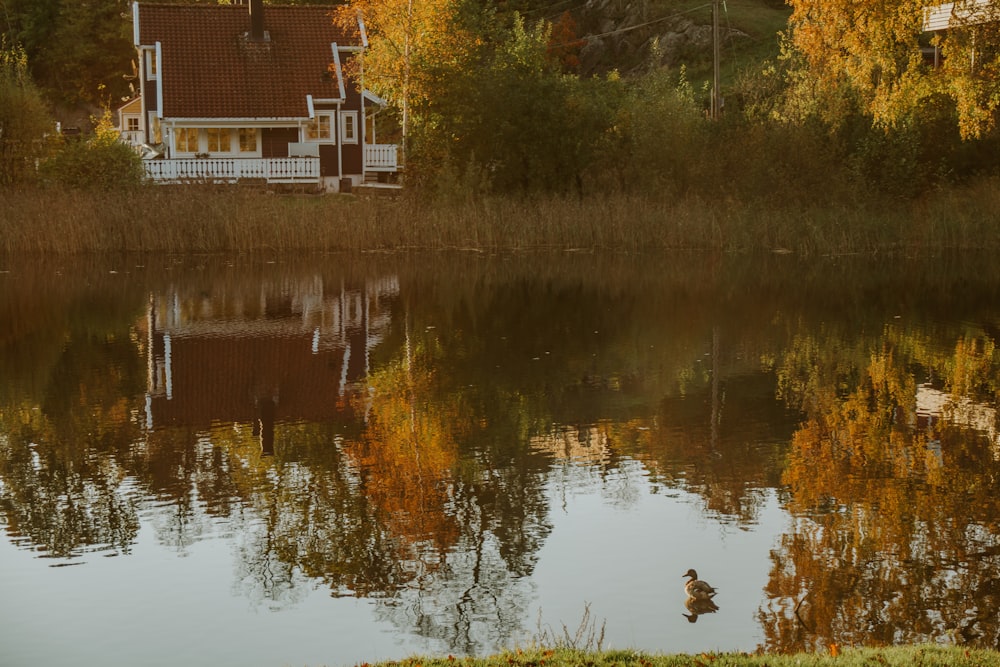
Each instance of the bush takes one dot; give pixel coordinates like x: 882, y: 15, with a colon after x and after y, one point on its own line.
x: 24, y: 119
x: 102, y: 162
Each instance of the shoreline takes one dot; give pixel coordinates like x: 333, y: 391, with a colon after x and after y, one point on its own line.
x: 946, y: 656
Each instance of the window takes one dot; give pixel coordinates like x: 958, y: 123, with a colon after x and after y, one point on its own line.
x: 154, y: 125
x: 320, y: 128
x: 151, y: 66
x: 219, y: 140
x: 248, y: 140
x: 349, y: 127
x: 186, y: 140
x: 155, y: 130
x: 132, y: 123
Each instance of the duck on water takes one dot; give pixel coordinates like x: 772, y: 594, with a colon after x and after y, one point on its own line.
x: 696, y: 588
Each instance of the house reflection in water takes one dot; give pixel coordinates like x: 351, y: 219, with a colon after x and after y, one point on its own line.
x: 283, y: 351
x: 934, y: 405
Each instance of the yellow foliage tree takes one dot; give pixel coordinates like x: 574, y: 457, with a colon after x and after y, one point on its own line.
x: 869, y: 53
x: 405, y: 36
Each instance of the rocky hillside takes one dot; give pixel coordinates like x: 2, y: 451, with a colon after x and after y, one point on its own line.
x: 631, y: 35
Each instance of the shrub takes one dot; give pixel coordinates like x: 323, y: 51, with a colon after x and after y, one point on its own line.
x: 102, y: 162
x: 24, y: 119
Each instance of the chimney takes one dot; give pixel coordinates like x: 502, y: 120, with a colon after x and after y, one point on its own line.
x: 257, y: 33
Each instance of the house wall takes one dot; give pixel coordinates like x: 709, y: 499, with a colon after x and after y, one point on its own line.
x: 275, y: 140
x: 353, y: 158
x: 354, y: 154
x: 148, y: 91
x: 328, y: 163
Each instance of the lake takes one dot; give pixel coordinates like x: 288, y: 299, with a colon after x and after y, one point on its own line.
x: 338, y: 459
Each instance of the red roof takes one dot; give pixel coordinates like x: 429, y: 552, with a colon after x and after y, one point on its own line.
x: 211, y: 69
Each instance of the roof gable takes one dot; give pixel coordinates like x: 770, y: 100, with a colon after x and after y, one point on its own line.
x: 133, y: 105
x: 210, y: 68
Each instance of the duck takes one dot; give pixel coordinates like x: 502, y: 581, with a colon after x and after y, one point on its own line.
x: 696, y: 588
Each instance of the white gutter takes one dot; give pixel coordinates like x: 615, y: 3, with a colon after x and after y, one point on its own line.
x: 135, y: 23
x: 361, y: 29
x: 364, y: 117
x: 159, y: 81
x: 340, y: 72
x: 373, y: 98
x: 234, y: 122
x: 340, y: 145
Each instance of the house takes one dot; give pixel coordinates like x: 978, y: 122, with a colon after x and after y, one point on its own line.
x: 943, y: 17
x: 255, y: 93
x: 130, y: 122
x: 953, y: 14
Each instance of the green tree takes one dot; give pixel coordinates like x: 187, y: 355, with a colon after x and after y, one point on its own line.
x: 78, y: 52
x: 505, y: 115
x: 24, y: 119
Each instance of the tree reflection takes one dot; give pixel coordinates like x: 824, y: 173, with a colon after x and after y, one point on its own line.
x: 896, y: 537
x: 472, y: 523
x: 418, y: 477
x: 62, y: 497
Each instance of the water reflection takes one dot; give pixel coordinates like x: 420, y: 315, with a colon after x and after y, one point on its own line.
x: 697, y: 607
x: 892, y: 480
x: 408, y: 431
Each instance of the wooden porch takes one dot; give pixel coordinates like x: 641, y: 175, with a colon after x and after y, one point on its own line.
x: 379, y: 158
x: 234, y: 170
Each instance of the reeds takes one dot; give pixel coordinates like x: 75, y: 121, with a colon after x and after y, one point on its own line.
x: 203, y: 220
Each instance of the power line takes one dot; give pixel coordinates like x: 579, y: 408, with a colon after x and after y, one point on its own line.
x: 549, y: 8
x: 637, y: 26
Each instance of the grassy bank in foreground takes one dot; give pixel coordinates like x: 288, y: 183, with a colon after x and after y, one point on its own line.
x: 193, y: 219
x: 869, y: 657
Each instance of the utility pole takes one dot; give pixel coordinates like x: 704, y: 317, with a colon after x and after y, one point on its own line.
x: 716, y: 95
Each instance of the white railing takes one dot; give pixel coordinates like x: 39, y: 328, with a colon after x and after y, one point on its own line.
x: 232, y: 170
x: 133, y: 137
x: 381, y: 157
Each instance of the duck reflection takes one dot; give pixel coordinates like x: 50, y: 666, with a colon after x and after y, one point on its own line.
x: 699, y: 606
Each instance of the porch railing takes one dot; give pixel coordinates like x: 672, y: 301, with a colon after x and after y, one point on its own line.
x: 133, y: 137
x: 232, y: 170
x: 381, y: 157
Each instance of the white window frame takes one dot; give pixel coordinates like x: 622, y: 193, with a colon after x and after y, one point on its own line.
x: 237, y: 145
x: 330, y: 138
x: 152, y: 67
x: 352, y: 136
x: 223, y: 131
x: 203, y: 149
x: 186, y: 151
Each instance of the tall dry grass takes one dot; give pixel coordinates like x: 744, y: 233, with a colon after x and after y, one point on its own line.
x: 197, y: 220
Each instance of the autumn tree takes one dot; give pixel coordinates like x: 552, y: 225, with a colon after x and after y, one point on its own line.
x: 867, y: 56
x: 404, y: 37
x: 971, y: 64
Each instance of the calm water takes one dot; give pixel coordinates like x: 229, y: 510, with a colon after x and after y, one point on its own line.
x: 339, y: 459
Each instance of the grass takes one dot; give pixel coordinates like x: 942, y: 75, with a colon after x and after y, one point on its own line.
x: 855, y: 657
x: 759, y: 20
x: 195, y: 220
x: 583, y: 646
